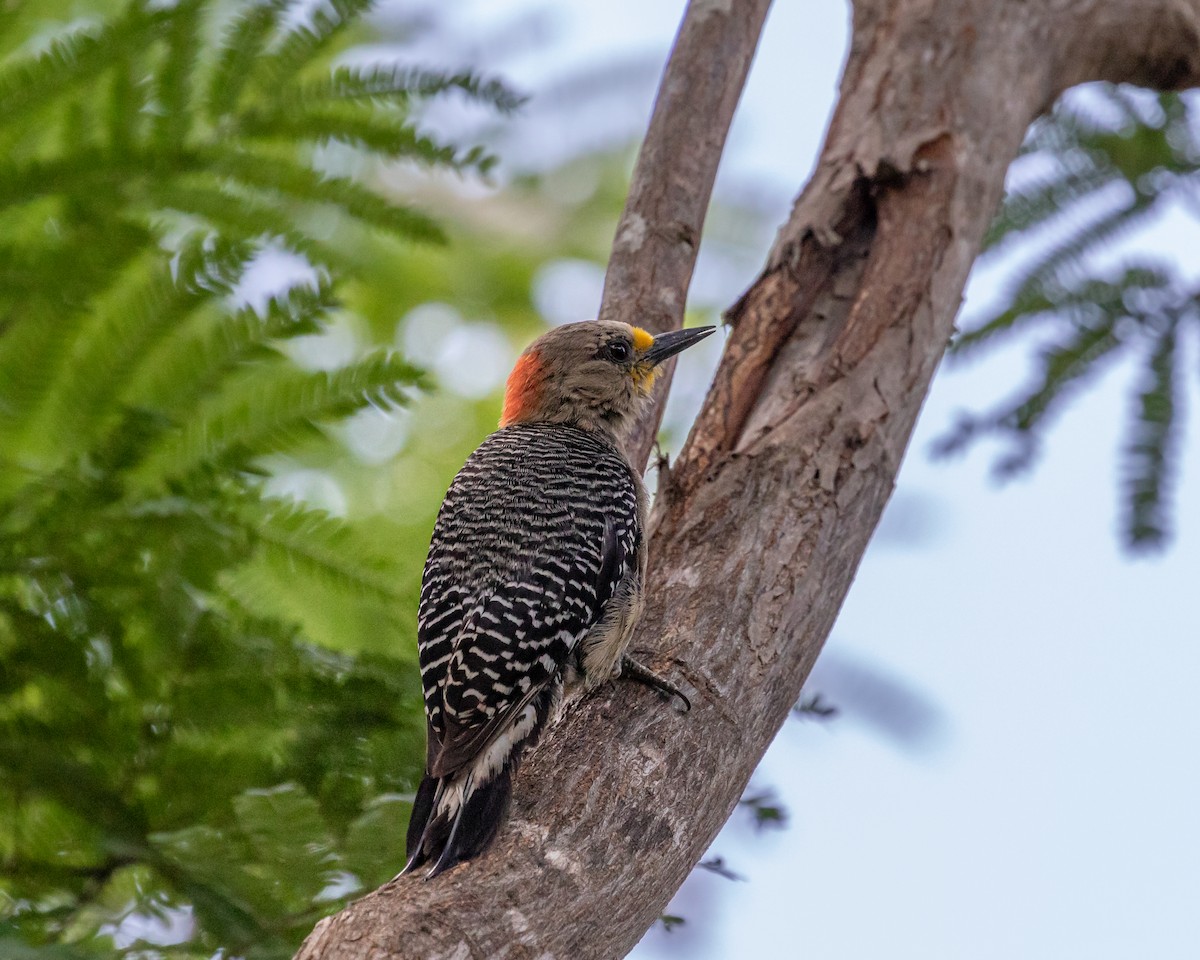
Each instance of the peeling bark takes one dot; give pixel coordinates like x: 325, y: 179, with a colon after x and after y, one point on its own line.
x: 759, y: 529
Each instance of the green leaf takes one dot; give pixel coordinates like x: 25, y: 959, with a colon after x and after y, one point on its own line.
x: 196, y: 361
x: 301, y: 183
x: 161, y: 621
x: 85, y: 384
x: 300, y: 46
x: 245, y: 214
x: 31, y: 83
x: 269, y: 410
x: 284, y: 828
x: 1063, y: 261
x: 375, y: 842
x: 125, y: 105
x: 14, y: 947
x: 1153, y: 437
x: 1064, y: 364
x: 311, y: 541
x: 359, y: 126
x: 1081, y: 303
x: 242, y: 44
x: 398, y: 84
x: 1151, y: 154
x: 208, y: 866
x: 1045, y: 200
x: 175, y: 74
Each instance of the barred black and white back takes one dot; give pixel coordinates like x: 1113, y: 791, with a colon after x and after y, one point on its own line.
x: 533, y: 581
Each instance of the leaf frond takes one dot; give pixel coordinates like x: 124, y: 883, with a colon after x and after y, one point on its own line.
x: 400, y: 85
x: 175, y: 74
x: 300, y: 46
x: 1062, y: 261
x: 73, y: 58
x: 1081, y: 303
x: 32, y: 348
x: 123, y: 329
x: 270, y: 409
x: 1061, y: 365
x: 1043, y: 201
x: 281, y: 176
x: 244, y: 214
x: 194, y: 363
x: 125, y: 103
x: 316, y: 543
x: 364, y: 127
x: 1150, y: 448
x: 242, y: 43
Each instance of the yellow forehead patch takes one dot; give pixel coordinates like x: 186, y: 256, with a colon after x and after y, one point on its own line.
x: 642, y: 340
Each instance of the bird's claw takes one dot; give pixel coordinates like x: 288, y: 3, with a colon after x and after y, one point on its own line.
x: 639, y: 673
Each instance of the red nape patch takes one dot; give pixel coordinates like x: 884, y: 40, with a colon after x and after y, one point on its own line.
x: 524, y: 387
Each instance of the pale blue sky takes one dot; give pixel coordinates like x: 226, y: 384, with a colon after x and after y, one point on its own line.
x: 1051, y: 812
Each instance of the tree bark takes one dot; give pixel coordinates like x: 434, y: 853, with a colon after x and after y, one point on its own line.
x: 760, y: 527
x: 658, y: 235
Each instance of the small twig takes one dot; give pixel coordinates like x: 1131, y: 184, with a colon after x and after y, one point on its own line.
x: 767, y: 810
x: 717, y: 865
x: 662, y: 465
x: 814, y: 708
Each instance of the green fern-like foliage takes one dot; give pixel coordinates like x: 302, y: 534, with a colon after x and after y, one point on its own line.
x: 1104, y: 163
x: 183, y: 770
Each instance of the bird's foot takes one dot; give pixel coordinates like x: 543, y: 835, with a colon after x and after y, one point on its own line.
x: 639, y: 673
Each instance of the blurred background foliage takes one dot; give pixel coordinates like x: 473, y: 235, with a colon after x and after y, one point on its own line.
x: 233, y: 253
x: 1105, y: 162
x: 190, y: 764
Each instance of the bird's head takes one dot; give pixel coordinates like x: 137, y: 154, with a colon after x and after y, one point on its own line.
x: 595, y: 375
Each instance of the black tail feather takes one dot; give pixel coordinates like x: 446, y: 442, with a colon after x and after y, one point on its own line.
x: 447, y: 859
x: 422, y: 810
x: 448, y: 841
x: 485, y: 811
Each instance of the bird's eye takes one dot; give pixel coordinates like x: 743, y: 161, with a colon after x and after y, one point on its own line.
x: 617, y: 351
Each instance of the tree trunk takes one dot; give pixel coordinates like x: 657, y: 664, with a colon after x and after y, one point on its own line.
x: 760, y: 527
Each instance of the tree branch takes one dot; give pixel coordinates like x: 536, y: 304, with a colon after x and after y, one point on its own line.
x: 759, y: 532
x: 658, y: 235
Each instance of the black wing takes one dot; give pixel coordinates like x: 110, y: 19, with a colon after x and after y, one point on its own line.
x: 534, y: 535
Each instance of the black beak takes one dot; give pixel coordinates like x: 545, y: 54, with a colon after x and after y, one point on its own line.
x: 668, y: 344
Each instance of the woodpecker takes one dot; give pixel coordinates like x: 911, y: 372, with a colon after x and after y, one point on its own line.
x: 533, y: 582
